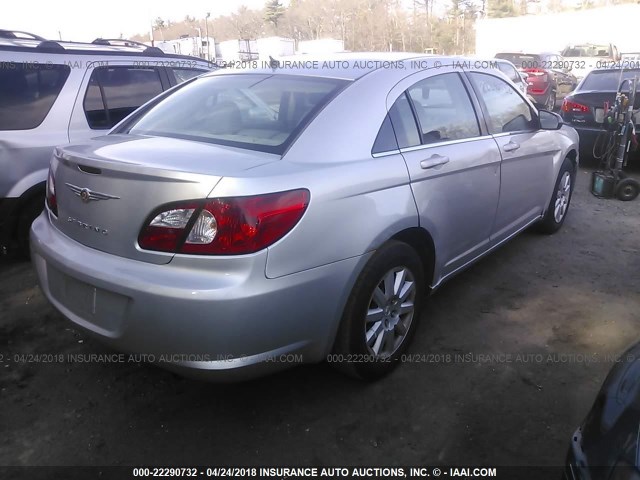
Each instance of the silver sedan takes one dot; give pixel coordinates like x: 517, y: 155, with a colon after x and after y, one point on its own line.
x: 246, y: 221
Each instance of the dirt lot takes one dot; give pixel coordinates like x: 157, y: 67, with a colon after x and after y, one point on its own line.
x: 574, y: 296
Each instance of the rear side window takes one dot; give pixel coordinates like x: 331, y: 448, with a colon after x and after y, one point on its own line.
x: 444, y: 109
x: 386, y: 139
x: 115, y: 92
x: 399, y: 129
x: 184, y: 74
x: 608, y: 80
x: 521, y: 60
x: 27, y: 93
x: 253, y: 111
x: 507, y: 111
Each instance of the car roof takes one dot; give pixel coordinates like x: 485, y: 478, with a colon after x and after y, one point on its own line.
x: 528, y: 53
x: 347, y: 65
x: 116, y: 47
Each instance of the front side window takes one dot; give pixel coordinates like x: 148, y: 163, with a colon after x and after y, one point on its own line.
x: 506, y: 109
x: 444, y: 109
x: 115, y: 92
x: 27, y: 93
x: 254, y: 111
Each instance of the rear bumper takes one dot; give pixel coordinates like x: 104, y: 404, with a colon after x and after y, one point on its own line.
x: 588, y: 137
x: 218, y: 319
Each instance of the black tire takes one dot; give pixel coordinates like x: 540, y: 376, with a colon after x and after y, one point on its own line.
x: 28, y: 214
x: 627, y: 189
x: 351, y: 354
x: 550, y: 223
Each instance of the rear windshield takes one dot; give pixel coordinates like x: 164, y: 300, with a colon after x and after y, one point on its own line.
x: 27, y: 93
x: 520, y: 60
x: 586, y: 51
x: 607, y: 80
x: 258, y: 112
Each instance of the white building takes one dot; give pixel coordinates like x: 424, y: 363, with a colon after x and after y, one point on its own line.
x: 553, y: 32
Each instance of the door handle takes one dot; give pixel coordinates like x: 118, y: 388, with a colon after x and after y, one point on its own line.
x: 511, y: 146
x: 434, y: 161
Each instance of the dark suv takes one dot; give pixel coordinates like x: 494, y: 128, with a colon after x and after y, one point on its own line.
x: 549, y: 78
x: 53, y: 93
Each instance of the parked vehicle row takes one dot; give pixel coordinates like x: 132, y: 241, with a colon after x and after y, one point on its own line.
x: 549, y: 79
x: 55, y: 93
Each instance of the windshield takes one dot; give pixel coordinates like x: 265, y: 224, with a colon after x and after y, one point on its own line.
x: 520, y: 60
x: 586, y: 51
x: 607, y: 80
x: 258, y: 112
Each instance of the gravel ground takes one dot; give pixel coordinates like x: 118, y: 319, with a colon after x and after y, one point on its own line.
x: 507, y: 361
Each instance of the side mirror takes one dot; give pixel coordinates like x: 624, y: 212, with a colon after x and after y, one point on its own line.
x: 524, y: 75
x: 549, y: 120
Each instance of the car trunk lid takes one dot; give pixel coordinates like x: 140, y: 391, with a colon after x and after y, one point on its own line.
x: 587, y: 108
x: 107, y: 189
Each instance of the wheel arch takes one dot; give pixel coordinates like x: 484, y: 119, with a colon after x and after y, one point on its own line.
x: 31, y: 194
x: 422, y: 242
x: 573, y: 156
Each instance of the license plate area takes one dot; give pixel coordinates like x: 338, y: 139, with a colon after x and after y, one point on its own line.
x: 100, y: 307
x: 599, y: 115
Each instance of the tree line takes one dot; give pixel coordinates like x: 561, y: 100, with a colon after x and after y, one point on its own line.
x: 439, y: 26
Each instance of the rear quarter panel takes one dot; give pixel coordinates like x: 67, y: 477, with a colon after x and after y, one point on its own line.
x: 357, y: 201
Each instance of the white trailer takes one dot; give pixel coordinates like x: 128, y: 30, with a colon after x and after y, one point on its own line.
x: 554, y: 31
x: 322, y: 45
x: 275, y: 47
x: 237, y: 50
x: 193, y: 46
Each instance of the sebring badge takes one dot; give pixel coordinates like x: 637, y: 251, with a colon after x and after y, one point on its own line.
x: 87, y: 195
x: 88, y: 226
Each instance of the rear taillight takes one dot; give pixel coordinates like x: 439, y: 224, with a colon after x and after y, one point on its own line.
x: 573, y: 107
x: 535, y: 72
x: 224, y: 226
x: 52, y: 202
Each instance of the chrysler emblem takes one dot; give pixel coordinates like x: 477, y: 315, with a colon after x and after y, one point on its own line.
x: 87, y: 195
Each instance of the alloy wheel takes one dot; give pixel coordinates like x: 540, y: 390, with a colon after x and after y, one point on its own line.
x: 390, y: 313
x: 562, y: 197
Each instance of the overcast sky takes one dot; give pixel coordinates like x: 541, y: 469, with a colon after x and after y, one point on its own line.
x: 86, y: 20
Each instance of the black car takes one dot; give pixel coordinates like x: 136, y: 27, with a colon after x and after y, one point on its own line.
x: 606, y: 445
x: 584, y: 109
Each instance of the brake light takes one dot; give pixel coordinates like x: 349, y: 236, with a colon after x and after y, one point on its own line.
x: 535, y: 72
x: 569, y: 106
x: 224, y: 226
x: 52, y: 202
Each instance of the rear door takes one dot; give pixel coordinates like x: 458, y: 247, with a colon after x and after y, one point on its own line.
x: 527, y: 153
x: 110, y: 92
x: 453, y: 165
